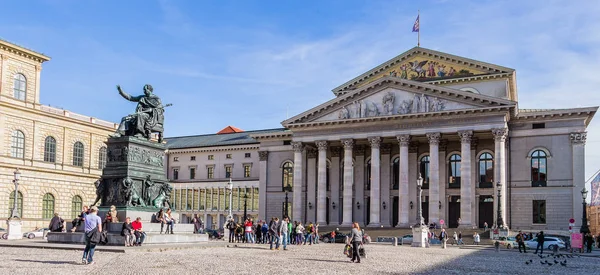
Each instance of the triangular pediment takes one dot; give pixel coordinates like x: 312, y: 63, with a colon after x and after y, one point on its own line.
x: 393, y: 96
x: 421, y: 64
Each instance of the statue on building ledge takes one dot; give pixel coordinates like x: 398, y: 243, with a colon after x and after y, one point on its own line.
x: 147, y: 119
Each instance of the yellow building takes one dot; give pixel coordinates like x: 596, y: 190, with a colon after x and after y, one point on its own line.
x: 59, y: 154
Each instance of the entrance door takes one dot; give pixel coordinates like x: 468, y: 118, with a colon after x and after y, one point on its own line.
x: 425, y: 207
x: 453, y: 211
x: 486, y: 210
x: 368, y: 210
x: 395, y: 211
x: 327, y: 210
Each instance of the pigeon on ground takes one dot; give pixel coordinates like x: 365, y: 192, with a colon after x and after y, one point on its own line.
x: 527, y: 262
x: 549, y: 264
x: 564, y: 264
x: 540, y: 255
x: 555, y: 261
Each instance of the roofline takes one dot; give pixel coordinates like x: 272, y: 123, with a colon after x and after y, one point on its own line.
x: 588, y: 111
x: 11, y: 47
x: 404, y: 55
x: 212, y: 146
x: 215, y: 134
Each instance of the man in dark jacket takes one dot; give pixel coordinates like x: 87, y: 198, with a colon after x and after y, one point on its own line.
x: 274, y: 233
x: 56, y: 223
x: 540, y: 241
x: 231, y: 226
x: 521, y: 241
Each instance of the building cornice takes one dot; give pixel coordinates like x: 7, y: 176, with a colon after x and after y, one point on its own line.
x: 212, y: 149
x: 22, y: 51
x: 551, y: 114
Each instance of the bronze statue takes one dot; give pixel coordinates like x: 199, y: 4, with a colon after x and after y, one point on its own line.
x: 148, y: 183
x: 99, y: 191
x: 147, y: 119
x: 162, y: 199
x: 131, y: 196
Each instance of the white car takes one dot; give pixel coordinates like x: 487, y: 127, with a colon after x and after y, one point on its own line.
x: 549, y: 243
x: 35, y: 233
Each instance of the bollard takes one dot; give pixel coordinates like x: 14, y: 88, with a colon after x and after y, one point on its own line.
x: 395, y: 241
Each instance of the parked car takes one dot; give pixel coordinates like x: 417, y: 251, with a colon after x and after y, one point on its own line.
x: 510, y: 242
x: 39, y: 233
x: 549, y: 243
x: 3, y: 233
x: 213, y: 234
x: 406, y: 239
x: 339, y: 237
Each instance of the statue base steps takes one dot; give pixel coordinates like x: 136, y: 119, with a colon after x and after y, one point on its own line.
x: 117, y: 239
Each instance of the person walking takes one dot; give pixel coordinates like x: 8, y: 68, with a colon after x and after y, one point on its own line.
x: 540, y: 241
x: 476, y: 238
x: 92, y: 229
x: 231, y: 226
x: 454, y: 238
x: 273, y: 234
x: 356, y: 240
x: 284, y: 231
x: 443, y: 238
x: 299, y: 232
x: 521, y: 241
x: 460, y: 241
x: 485, y: 226
x: 589, y: 242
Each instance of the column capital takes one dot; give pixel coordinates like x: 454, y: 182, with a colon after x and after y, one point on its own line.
x: 297, y: 146
x: 263, y: 155
x: 348, y: 143
x: 578, y: 138
x: 375, y: 142
x: 386, y: 148
x: 403, y: 140
x: 311, y: 153
x: 360, y: 150
x: 465, y: 136
x: 336, y: 151
x: 500, y: 133
x: 434, y: 138
x: 322, y: 145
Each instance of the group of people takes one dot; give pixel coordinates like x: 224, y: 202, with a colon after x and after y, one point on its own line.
x: 275, y: 232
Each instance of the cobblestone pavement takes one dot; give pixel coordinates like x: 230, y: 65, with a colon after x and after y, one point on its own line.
x: 315, y: 259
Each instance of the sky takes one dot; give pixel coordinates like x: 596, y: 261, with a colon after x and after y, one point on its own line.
x: 252, y: 64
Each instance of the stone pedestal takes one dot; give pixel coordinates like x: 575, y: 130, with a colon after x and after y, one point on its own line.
x: 13, y: 228
x: 420, y: 234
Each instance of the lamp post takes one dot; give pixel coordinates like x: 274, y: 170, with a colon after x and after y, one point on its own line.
x: 286, y: 204
x: 245, y: 209
x: 15, y: 211
x: 584, y: 224
x: 230, y: 188
x: 419, y: 204
x: 499, y: 221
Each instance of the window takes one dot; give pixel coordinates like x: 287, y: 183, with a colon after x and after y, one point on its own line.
x: 424, y: 170
x: 287, y: 142
x: 538, y: 168
x: 395, y: 174
x: 454, y: 171
x: 211, y: 157
x: 20, y: 87
x: 247, y: 155
x: 76, y: 206
x: 227, y: 171
x: 175, y: 159
x: 538, y: 126
x: 210, y: 172
x: 11, y: 202
x: 193, y: 158
x: 175, y: 174
x: 368, y: 176
x: 486, y: 171
x: 50, y: 149
x: 102, y: 157
x: 48, y: 206
x: 192, y: 173
x: 78, y: 154
x: 287, y: 176
x: 17, y: 145
x: 539, y: 211
x: 247, y: 170
x: 228, y: 156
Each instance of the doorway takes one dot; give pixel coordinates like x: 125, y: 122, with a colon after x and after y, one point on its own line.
x: 486, y: 210
x: 453, y: 211
x: 368, y: 210
x: 425, y: 208
x: 327, y: 210
x: 395, y: 211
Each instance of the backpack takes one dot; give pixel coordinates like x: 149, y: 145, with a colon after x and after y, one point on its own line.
x: 265, y: 228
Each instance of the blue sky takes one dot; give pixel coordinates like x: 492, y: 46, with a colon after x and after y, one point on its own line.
x: 249, y: 63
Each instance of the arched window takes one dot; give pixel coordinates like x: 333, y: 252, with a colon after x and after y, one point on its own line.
x: 78, y: 154
x: 424, y: 170
x: 11, y: 202
x: 287, y: 176
x: 17, y: 145
x: 486, y: 171
x: 48, y: 206
x: 102, y: 157
x: 76, y: 206
x: 50, y: 149
x: 454, y: 171
x: 368, y: 176
x: 20, y: 86
x: 395, y: 174
x: 539, y: 169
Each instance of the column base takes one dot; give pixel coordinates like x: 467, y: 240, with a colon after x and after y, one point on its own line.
x: 402, y: 225
x: 372, y: 225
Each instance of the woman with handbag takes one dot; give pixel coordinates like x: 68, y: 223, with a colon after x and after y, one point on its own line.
x: 356, y: 240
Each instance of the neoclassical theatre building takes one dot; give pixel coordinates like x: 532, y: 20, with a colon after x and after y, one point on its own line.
x: 453, y: 121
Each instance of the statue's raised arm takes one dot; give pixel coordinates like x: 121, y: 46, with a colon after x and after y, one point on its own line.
x: 148, y: 116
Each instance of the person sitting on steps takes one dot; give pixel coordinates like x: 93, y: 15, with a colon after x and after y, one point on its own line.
x: 169, y: 220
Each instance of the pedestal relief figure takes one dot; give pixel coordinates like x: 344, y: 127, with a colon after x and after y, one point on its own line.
x: 424, y: 105
x: 344, y: 114
x: 132, y: 197
x: 99, y: 191
x: 388, y: 103
x: 416, y: 103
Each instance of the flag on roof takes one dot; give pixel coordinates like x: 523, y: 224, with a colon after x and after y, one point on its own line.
x: 416, y: 25
x: 595, y: 191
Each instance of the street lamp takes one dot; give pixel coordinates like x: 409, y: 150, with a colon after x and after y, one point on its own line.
x: 230, y: 188
x: 245, y: 208
x: 499, y: 221
x: 17, y: 177
x: 584, y: 224
x: 286, y: 204
x: 420, y: 220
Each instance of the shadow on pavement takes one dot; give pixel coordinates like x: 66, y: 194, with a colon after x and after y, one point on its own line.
x: 49, y: 262
x: 328, y: 261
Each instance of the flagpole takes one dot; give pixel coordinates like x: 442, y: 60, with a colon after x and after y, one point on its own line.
x: 419, y: 30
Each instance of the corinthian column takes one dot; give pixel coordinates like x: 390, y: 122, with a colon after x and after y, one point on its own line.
x: 500, y: 170
x: 322, y: 183
x: 578, y: 146
x: 297, y: 189
x: 434, y: 177
x: 403, y: 206
x: 348, y: 182
x: 465, y: 179
x: 263, y: 157
x: 375, y: 218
